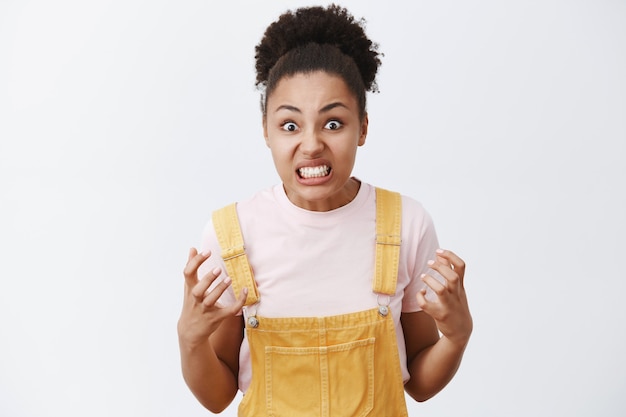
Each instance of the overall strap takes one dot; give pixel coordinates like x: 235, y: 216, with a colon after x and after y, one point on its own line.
x: 230, y: 238
x: 388, y: 239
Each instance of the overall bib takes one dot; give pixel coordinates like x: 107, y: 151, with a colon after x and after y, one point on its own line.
x: 336, y: 366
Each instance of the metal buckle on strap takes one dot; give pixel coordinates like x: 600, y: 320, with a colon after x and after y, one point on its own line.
x: 249, y: 315
x: 383, y: 307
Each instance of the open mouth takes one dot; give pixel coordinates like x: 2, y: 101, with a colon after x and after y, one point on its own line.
x: 314, y: 172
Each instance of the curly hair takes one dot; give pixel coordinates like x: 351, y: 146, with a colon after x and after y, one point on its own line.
x: 316, y: 38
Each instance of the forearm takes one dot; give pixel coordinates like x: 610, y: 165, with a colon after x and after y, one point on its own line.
x: 433, y: 368
x: 211, y: 381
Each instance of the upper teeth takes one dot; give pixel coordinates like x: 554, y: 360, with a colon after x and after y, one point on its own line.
x: 312, y: 172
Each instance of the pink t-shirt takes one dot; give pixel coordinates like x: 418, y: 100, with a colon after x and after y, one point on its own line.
x: 313, y: 264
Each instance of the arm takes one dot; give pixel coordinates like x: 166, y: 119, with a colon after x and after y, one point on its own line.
x: 433, y: 360
x: 209, y: 337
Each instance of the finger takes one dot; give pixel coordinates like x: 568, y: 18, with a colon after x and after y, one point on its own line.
x: 437, y: 287
x: 236, y: 308
x: 441, y: 259
x: 199, y: 290
x: 211, y: 298
x: 194, y: 261
x: 457, y: 263
x: 447, y: 273
x: 192, y: 252
x: 429, y: 307
x: 421, y: 298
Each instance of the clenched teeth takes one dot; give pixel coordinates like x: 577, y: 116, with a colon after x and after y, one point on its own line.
x: 314, y: 172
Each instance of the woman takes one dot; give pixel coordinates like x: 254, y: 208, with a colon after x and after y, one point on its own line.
x: 311, y: 296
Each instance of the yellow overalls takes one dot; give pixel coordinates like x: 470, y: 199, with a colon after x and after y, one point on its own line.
x: 337, y: 366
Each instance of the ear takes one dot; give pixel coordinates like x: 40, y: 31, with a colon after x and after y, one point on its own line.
x: 364, y: 125
x: 265, y: 135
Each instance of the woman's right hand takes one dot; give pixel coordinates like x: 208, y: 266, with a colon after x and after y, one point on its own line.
x: 202, y: 314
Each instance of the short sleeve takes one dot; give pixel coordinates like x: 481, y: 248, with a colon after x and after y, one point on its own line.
x: 420, y: 243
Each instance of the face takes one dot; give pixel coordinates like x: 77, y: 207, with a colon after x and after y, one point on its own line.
x: 313, y: 128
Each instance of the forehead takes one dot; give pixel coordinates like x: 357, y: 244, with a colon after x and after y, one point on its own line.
x: 311, y: 84
x: 312, y: 88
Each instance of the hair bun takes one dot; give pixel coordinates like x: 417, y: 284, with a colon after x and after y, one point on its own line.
x: 333, y: 25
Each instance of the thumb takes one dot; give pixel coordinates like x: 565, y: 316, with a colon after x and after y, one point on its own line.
x: 243, y: 297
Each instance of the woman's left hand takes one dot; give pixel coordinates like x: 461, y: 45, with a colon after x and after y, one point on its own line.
x: 450, y: 310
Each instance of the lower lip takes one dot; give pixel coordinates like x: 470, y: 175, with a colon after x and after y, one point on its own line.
x: 314, y: 180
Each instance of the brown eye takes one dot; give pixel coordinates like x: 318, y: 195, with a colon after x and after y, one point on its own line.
x: 290, y: 126
x: 333, y: 125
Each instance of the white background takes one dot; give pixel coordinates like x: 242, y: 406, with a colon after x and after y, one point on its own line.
x: 124, y: 123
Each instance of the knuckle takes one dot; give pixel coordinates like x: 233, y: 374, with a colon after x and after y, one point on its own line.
x: 197, y: 293
x: 440, y: 290
x: 188, y: 270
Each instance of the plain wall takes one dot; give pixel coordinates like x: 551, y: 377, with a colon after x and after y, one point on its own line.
x: 123, y: 124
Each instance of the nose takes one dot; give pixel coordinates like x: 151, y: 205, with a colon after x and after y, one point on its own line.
x: 311, y: 143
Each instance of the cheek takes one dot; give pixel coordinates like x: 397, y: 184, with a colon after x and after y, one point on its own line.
x: 280, y: 155
x: 349, y: 151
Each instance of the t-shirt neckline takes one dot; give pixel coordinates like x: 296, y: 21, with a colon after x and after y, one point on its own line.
x: 356, y: 203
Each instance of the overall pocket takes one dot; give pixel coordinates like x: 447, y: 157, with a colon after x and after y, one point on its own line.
x: 335, y: 381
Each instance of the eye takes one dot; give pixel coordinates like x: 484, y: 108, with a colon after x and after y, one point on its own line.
x: 289, y: 126
x: 333, y: 125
